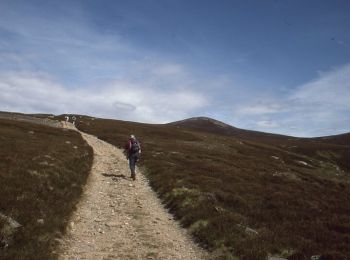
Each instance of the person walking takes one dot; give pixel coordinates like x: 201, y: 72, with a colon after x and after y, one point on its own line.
x: 133, y: 152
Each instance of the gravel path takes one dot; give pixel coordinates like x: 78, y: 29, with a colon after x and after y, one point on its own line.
x: 118, y: 218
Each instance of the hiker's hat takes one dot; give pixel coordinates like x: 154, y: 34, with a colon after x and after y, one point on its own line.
x: 132, y: 136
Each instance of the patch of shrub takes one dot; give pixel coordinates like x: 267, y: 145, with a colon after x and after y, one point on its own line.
x: 245, y: 194
x: 42, y: 172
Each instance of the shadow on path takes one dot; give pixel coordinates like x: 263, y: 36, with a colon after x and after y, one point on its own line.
x: 114, y: 175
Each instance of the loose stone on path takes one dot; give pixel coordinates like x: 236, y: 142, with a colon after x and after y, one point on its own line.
x: 117, y: 218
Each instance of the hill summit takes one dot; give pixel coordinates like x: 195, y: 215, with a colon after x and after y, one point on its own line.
x: 204, y: 121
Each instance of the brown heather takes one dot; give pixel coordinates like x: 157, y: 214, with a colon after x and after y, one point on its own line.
x: 42, y: 171
x: 242, y: 193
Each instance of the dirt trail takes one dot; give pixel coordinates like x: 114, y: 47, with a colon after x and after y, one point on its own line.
x: 118, y: 218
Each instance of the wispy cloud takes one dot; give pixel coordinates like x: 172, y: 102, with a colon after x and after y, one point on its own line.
x: 66, y: 65
x: 331, y: 90
x: 267, y: 124
x: 259, y: 108
x: 118, y: 99
x: 318, y: 107
x: 168, y: 70
x: 58, y: 59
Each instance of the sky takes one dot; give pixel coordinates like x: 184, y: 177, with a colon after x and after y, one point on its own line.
x: 279, y: 66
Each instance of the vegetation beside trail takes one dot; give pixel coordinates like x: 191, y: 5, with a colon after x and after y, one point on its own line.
x: 241, y: 198
x: 42, y: 171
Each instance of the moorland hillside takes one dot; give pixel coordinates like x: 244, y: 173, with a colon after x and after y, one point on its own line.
x: 240, y: 193
x: 42, y: 172
x: 244, y: 193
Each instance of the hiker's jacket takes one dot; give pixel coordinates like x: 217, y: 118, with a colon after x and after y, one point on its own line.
x: 128, y: 147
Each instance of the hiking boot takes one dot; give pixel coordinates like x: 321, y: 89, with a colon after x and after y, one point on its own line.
x: 133, y: 176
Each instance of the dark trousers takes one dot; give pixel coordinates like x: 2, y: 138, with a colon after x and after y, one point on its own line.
x: 132, y: 161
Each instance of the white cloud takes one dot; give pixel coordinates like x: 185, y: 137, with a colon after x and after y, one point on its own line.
x: 27, y: 92
x: 258, y: 109
x: 322, y: 106
x: 168, y: 70
x: 316, y: 108
x: 81, y: 69
x: 267, y: 124
x: 331, y: 90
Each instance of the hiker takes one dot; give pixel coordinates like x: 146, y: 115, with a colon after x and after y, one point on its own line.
x: 74, y: 118
x: 67, y: 119
x: 133, y: 152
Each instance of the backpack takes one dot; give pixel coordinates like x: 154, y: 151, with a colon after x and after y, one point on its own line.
x: 135, y: 146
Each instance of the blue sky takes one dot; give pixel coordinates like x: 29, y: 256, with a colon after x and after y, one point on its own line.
x: 274, y: 66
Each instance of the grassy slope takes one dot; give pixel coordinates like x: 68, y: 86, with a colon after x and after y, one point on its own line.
x: 41, y: 178
x: 224, y: 189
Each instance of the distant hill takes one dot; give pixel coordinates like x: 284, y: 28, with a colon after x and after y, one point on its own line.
x: 41, y: 119
x: 207, y: 124
x: 245, y: 193
x: 210, y: 125
x: 308, y: 146
x: 341, y: 139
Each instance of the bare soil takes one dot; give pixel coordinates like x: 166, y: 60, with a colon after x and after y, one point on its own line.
x: 118, y: 218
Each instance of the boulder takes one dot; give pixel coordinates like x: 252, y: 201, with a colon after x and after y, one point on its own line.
x: 8, y: 227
